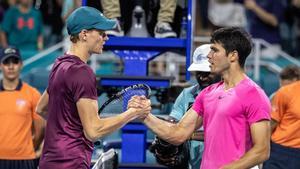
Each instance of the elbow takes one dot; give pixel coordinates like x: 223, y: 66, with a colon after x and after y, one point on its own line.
x: 40, y: 110
x: 91, y: 135
x: 181, y: 140
x: 264, y: 154
x: 178, y: 140
x: 273, y: 22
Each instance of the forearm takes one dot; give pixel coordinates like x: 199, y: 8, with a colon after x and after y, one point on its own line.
x: 38, y: 129
x: 42, y: 105
x: 105, y: 126
x: 198, y: 136
x: 169, y: 132
x: 265, y: 16
x: 40, y: 43
x: 252, y: 158
x: 3, y: 39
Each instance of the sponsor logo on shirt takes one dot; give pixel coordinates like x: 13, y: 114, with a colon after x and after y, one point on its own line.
x: 21, y: 102
x: 29, y: 23
x: 221, y: 97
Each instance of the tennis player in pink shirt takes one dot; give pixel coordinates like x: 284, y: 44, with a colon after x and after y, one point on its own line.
x: 235, y: 112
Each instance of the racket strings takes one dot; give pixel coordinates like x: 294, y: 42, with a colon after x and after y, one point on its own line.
x: 140, y: 92
x: 118, y: 102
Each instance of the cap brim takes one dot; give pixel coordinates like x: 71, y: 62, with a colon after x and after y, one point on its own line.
x: 9, y: 56
x: 106, y: 25
x: 199, y: 67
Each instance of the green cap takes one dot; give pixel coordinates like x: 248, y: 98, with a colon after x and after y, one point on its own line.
x: 88, y: 18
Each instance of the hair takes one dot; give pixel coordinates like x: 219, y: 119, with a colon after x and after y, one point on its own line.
x: 74, y: 38
x: 234, y: 39
x: 290, y: 72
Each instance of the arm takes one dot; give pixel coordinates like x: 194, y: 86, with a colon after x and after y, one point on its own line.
x: 296, y: 3
x: 95, y: 127
x: 175, y: 133
x: 3, y: 39
x: 198, y: 136
x: 39, y: 26
x: 42, y: 105
x: 265, y: 16
x: 274, y: 124
x: 68, y: 7
x: 6, y: 26
x: 260, y: 133
x: 40, y: 42
x: 38, y: 123
x: 275, y: 109
x: 38, y: 131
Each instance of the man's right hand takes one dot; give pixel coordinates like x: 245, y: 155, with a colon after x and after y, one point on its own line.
x: 140, y: 105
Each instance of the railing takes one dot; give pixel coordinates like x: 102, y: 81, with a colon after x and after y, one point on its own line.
x: 258, y: 44
x: 43, y: 53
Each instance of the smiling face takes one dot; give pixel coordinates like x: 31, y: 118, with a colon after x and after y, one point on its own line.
x: 218, y: 59
x: 205, y: 79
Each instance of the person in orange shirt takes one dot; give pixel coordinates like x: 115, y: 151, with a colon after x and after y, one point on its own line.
x: 285, y: 146
x: 287, y: 76
x: 21, y: 128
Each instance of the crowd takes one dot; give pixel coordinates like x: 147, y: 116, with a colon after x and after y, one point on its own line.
x: 42, y: 23
x: 231, y: 108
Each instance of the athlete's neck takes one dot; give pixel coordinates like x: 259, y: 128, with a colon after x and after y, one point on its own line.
x: 232, y: 77
x: 79, y: 51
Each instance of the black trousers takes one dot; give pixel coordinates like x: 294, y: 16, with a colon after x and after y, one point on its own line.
x: 282, y: 157
x: 18, y: 164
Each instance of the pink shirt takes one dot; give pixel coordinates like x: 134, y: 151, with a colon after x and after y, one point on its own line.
x: 227, y: 117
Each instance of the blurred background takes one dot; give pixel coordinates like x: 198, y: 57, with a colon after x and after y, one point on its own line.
x: 138, y: 53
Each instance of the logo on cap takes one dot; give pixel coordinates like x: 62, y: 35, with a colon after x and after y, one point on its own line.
x: 10, y: 51
x: 199, y: 58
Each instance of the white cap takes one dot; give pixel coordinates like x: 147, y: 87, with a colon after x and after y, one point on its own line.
x: 200, y: 60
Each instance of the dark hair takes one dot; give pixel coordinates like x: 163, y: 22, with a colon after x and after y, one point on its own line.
x: 234, y: 39
x: 290, y: 72
x: 74, y: 38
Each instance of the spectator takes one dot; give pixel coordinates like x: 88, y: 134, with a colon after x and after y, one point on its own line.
x: 295, y: 8
x: 226, y: 13
x: 22, y: 27
x: 285, y: 140
x: 287, y: 76
x: 8, y: 3
x: 163, y: 29
x: 264, y: 19
x: 21, y: 128
x: 53, y: 23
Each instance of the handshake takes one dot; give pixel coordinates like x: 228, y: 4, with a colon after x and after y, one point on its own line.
x: 173, y: 156
x: 139, y: 107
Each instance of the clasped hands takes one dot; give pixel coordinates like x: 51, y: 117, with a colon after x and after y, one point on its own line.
x: 140, y: 105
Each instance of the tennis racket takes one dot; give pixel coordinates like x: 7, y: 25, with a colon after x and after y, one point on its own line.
x: 118, y: 102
